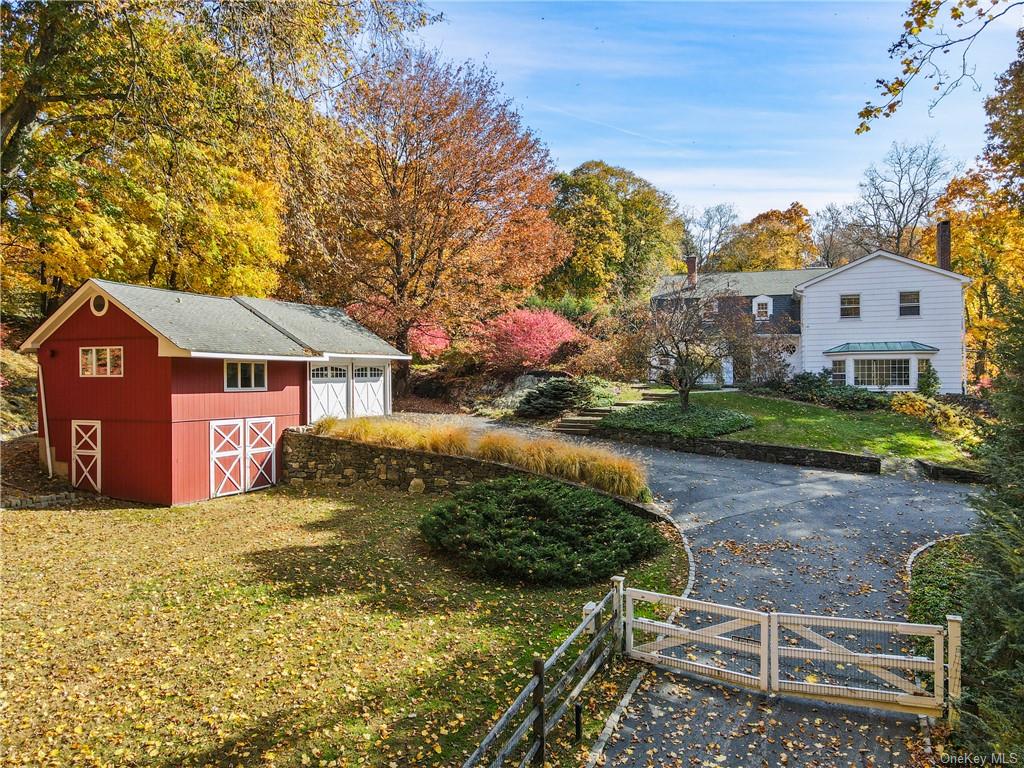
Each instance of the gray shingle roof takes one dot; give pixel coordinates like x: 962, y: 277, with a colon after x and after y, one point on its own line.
x: 777, y: 282
x: 881, y: 346
x: 245, y: 326
x: 327, y: 329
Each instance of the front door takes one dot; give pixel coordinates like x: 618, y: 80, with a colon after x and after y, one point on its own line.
x: 86, y: 459
x: 242, y: 455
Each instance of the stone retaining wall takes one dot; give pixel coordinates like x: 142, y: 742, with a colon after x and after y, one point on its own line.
x: 310, y: 458
x: 39, y: 501
x: 951, y: 474
x: 735, y: 449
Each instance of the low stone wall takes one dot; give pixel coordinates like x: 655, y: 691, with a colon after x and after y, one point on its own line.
x: 310, y: 458
x: 735, y: 449
x: 951, y: 474
x: 40, y: 501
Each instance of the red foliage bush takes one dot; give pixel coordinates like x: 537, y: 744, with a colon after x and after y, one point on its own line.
x: 428, y: 340
x: 524, y: 338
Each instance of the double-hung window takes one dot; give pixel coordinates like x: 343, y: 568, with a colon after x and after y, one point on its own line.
x: 244, y: 376
x: 761, y: 310
x: 839, y: 372
x: 910, y: 303
x: 100, y: 361
x: 849, y: 305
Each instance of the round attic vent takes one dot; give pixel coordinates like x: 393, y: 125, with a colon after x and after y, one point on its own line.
x: 98, y: 305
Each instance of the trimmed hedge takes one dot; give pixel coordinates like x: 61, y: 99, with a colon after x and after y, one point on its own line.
x: 539, y: 531
x: 818, y: 388
x: 670, y: 419
x: 556, y: 396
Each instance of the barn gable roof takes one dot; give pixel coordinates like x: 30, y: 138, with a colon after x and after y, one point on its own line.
x: 217, y: 326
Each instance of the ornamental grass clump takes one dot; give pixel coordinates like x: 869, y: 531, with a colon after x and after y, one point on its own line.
x: 535, y: 530
x: 393, y: 433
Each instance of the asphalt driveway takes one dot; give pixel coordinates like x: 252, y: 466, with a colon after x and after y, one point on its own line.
x: 796, y: 540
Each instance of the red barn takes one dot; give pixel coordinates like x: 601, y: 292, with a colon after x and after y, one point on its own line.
x: 171, y: 397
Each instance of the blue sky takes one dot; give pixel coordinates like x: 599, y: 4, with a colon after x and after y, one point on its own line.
x: 749, y: 103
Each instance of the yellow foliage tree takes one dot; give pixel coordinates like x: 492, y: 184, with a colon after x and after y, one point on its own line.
x: 988, y: 246
x: 771, y: 240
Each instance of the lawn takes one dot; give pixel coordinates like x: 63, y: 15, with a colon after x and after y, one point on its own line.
x: 275, y: 628
x: 787, y: 422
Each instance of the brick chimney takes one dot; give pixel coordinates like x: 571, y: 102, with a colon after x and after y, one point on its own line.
x: 942, y: 245
x: 691, y: 271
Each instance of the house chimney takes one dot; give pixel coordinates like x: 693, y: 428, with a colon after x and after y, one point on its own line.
x: 942, y: 245
x: 691, y: 271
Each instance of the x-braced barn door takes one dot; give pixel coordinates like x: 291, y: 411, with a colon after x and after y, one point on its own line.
x: 242, y: 453
x: 86, y: 461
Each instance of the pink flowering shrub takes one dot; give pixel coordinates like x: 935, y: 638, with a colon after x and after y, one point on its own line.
x: 524, y: 338
x: 428, y: 340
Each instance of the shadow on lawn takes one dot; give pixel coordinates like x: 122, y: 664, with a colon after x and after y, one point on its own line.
x: 389, y: 568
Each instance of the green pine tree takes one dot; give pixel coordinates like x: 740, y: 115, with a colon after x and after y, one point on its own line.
x: 993, y: 706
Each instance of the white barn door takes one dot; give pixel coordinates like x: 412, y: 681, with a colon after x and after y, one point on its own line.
x: 85, y: 455
x: 328, y: 392
x: 368, y: 391
x: 242, y: 455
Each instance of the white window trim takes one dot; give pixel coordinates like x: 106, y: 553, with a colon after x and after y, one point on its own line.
x: 762, y: 300
x: 266, y: 376
x: 106, y: 304
x: 95, y: 375
x: 899, y: 305
x: 860, y: 306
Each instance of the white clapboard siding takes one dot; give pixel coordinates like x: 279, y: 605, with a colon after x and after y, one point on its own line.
x: 879, y: 282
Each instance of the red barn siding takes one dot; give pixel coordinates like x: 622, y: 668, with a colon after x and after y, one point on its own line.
x: 198, y: 397
x: 134, y: 409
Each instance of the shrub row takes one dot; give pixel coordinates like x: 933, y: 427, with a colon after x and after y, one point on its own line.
x: 938, y: 582
x: 595, y: 467
x: 818, y: 388
x: 538, y: 531
x: 670, y: 419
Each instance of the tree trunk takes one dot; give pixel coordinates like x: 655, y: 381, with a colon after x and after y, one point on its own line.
x: 400, y: 368
x: 684, y: 398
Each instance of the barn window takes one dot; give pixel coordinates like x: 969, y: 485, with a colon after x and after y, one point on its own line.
x: 100, y: 361
x: 243, y: 376
x: 98, y: 305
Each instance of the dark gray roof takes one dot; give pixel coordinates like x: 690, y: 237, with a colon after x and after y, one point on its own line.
x: 881, y: 346
x: 327, y: 329
x: 245, y: 326
x: 776, y: 282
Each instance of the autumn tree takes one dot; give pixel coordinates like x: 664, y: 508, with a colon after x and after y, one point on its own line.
x: 624, y: 233
x: 897, y: 197
x: 436, y: 202
x: 771, y: 240
x: 835, y: 236
x: 932, y: 30
x: 200, y: 99
x: 707, y: 232
x: 987, y: 246
x: 1004, y: 152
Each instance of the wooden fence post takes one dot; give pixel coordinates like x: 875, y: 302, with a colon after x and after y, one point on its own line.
x: 538, y: 704
x: 618, y: 585
x: 954, y: 623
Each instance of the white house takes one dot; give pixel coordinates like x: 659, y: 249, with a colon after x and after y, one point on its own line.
x: 873, y: 322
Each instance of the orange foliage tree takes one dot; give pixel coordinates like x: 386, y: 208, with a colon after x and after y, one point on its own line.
x: 988, y: 246
x: 437, y: 211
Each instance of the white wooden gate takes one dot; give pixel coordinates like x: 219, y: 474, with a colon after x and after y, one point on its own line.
x: 242, y: 455
x: 328, y: 391
x: 86, y: 455
x: 886, y: 664
x: 368, y: 392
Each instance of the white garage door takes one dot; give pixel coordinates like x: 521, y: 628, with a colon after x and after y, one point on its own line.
x: 368, y: 397
x: 328, y: 391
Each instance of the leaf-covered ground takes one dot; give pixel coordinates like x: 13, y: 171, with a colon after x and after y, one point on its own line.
x: 269, y: 629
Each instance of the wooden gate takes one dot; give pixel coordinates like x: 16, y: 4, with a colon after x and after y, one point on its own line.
x: 86, y: 455
x: 719, y: 641
x: 887, y: 664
